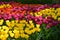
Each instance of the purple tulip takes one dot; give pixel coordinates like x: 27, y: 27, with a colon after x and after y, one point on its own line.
x: 55, y: 23
x: 0, y: 16
x: 45, y: 21
x: 56, y: 6
x: 39, y: 22
x: 40, y: 18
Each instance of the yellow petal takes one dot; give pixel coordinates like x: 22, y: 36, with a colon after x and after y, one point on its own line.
x: 37, y: 25
x: 58, y: 19
x: 12, y: 34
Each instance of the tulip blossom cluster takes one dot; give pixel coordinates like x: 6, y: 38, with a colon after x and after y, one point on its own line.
x: 16, y: 29
x: 22, y: 20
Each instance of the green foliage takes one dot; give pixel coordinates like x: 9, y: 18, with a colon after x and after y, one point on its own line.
x: 32, y: 1
x: 51, y: 33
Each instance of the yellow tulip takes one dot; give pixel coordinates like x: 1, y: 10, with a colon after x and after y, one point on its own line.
x: 16, y: 21
x: 26, y: 36
x: 38, y: 29
x: 11, y: 34
x: 27, y: 25
x: 26, y: 30
x: 21, y: 31
x: 7, y: 5
x: 1, y: 6
x: 37, y: 25
x: 4, y: 5
x: 36, y: 14
x: 33, y: 30
x: 58, y: 19
x: 1, y: 21
x: 21, y: 26
x: 16, y: 31
x: 12, y: 23
x: 39, y: 13
x: 29, y: 32
x: 0, y: 27
x: 5, y: 28
x: 32, y: 26
x: 16, y: 28
x: 6, y: 35
x: 22, y: 21
x: 2, y: 37
x: 58, y: 14
x: 30, y: 21
x: 31, y: 13
x: 16, y: 35
x: 8, y: 23
x: 22, y: 35
x: 54, y: 16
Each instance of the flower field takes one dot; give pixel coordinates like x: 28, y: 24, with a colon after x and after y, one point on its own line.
x: 29, y: 21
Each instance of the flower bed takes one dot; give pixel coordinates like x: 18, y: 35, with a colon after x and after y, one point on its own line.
x: 29, y: 21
